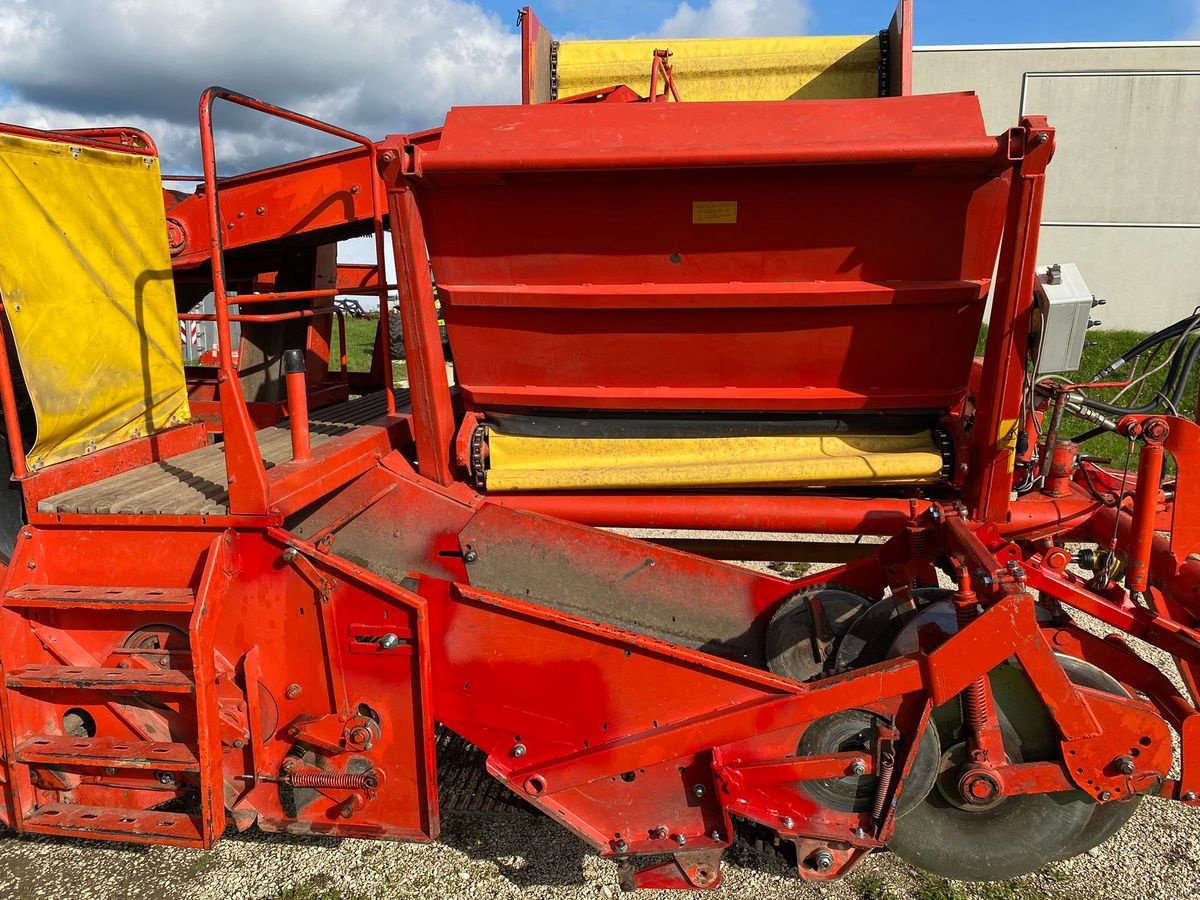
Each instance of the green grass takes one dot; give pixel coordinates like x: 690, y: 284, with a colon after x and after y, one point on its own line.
x: 360, y: 344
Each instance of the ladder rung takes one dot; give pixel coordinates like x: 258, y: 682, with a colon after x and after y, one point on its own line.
x: 107, y: 823
x: 108, y: 752
x: 86, y: 678
x: 74, y: 596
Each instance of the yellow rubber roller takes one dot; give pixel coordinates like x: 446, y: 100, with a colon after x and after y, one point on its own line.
x: 523, y: 463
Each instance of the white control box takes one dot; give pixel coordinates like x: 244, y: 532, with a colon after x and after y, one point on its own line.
x: 1061, y: 317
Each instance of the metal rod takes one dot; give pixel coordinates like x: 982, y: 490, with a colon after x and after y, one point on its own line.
x: 8, y: 396
x: 297, y: 394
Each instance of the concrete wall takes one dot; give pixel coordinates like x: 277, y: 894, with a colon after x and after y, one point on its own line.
x: 1124, y: 186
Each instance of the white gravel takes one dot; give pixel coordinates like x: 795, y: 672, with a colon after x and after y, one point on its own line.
x: 514, y: 855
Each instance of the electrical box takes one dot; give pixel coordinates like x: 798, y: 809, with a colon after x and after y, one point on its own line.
x: 1061, y: 318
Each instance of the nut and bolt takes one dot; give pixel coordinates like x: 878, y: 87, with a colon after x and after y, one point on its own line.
x: 860, y: 832
x: 698, y: 790
x: 289, y: 764
x: 389, y: 641
x: 715, y: 835
x: 858, y: 767
x: 518, y: 750
x: 1125, y: 765
x: 788, y: 822
x: 659, y: 832
x: 293, y: 691
x: 470, y: 556
x: 681, y: 839
x: 239, y: 744
x: 620, y: 846
x: 166, y: 778
x: 290, y: 553
x: 1189, y: 797
x: 822, y: 860
x: 1105, y: 796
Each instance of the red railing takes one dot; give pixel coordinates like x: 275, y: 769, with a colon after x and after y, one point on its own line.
x: 248, y: 489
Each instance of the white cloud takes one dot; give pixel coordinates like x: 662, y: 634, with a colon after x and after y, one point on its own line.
x: 373, y: 67
x: 738, y: 18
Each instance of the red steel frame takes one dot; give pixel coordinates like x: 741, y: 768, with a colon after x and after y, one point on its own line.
x: 290, y: 662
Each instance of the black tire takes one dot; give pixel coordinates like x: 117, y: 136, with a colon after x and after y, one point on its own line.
x: 396, y: 334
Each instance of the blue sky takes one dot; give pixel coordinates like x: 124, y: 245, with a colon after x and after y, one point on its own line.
x: 937, y: 21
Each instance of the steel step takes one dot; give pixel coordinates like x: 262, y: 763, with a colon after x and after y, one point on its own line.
x: 107, y: 752
x: 86, y: 678
x: 105, y: 823
x: 75, y: 596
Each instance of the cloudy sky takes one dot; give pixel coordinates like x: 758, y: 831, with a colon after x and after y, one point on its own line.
x: 380, y: 66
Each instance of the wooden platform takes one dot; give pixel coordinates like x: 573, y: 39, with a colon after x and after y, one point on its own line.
x: 195, y: 483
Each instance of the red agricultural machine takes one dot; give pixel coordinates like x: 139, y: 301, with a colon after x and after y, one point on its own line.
x: 271, y: 594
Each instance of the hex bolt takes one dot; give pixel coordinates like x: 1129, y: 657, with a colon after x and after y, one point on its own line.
x: 166, y: 778
x: 289, y: 764
x: 681, y: 839
x: 109, y: 770
x: 518, y: 750
x: 293, y: 691
x: 659, y: 832
x: 860, y: 832
x: 389, y: 641
x: 715, y: 835
x: 1190, y: 797
x: 290, y: 553
x: 1125, y: 765
x: 698, y: 790
x: 620, y: 846
x: 858, y: 767
x: 788, y: 822
x: 346, y: 810
x: 822, y: 860
x: 1105, y: 796
x: 239, y: 744
x: 470, y: 556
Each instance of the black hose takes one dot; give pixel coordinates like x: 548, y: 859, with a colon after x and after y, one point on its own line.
x: 1153, y: 341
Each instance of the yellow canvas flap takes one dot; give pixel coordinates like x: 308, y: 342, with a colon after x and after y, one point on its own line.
x: 85, y: 275
x: 772, y: 68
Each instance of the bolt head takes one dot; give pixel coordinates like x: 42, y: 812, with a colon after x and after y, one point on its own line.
x: 389, y: 641
x: 1190, y: 797
x: 860, y: 832
x: 621, y: 846
x: 715, y: 835
x: 788, y: 822
x: 1125, y: 765
x: 858, y: 767
x: 293, y: 691
x: 518, y: 750
x: 239, y: 744
x: 1105, y: 796
x: 290, y: 553
x: 470, y: 556
x: 698, y: 790
x: 681, y: 839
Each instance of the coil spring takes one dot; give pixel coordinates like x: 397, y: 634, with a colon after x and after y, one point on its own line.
x: 332, y: 780
x: 974, y: 698
x: 887, y: 767
x: 919, y: 543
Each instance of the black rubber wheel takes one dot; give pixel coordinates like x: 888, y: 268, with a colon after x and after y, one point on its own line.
x: 854, y: 729
x: 1017, y: 835
x: 395, y: 334
x: 792, y: 648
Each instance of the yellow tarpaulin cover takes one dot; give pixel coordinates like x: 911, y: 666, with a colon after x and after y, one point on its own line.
x: 85, y: 274
x: 774, y: 68
x: 521, y: 463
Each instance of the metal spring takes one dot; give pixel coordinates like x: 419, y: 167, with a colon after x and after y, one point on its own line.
x: 974, y: 698
x: 332, y: 780
x: 919, y: 543
x: 887, y: 767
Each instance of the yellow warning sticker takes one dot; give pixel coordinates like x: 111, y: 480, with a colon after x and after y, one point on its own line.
x: 714, y: 212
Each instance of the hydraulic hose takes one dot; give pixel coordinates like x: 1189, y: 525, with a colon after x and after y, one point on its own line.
x: 1153, y: 340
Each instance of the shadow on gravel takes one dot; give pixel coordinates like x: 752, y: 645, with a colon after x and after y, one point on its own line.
x: 527, y: 848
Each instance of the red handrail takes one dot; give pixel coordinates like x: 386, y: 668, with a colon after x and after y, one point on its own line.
x: 248, y: 489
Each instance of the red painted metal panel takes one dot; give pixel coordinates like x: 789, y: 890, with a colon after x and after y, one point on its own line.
x: 576, y: 269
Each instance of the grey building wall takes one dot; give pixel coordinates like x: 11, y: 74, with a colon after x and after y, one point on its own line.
x: 1123, y: 190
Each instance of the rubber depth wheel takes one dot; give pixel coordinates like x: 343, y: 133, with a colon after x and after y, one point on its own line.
x: 792, y: 648
x: 1018, y: 834
x: 854, y: 729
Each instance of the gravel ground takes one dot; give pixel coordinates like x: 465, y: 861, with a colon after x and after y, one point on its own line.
x: 1156, y: 856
